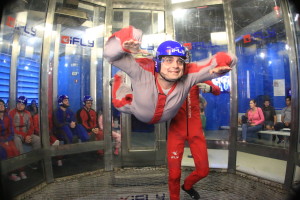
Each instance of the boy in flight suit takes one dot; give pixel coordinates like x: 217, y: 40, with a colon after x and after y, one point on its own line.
x: 160, y: 85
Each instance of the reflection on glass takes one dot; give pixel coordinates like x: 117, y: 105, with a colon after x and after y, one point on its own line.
x: 263, y: 66
x: 142, y: 135
x: 202, y: 31
x: 76, y: 65
x: 20, y: 56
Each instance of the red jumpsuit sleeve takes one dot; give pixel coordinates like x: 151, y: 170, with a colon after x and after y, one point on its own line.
x: 36, y: 126
x: 198, y: 72
x: 225, y: 59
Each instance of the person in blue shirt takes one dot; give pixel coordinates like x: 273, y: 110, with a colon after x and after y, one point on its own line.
x: 65, y: 125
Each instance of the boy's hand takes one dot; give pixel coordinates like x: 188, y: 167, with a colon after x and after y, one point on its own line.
x: 220, y: 70
x: 133, y: 46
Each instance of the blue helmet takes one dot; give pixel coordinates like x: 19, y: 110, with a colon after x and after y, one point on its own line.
x: 22, y: 99
x: 168, y: 48
x: 61, y: 98
x: 87, y: 98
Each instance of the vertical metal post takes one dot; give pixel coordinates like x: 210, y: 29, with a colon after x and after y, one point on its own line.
x: 94, y: 59
x: 107, y: 92
x: 44, y: 73
x: 169, y: 19
x: 13, y: 70
x: 233, y: 94
x: 55, y: 66
x: 294, y: 74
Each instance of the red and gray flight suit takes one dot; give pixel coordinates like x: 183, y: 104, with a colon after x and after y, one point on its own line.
x: 150, y: 104
x: 187, y: 125
x: 23, y: 127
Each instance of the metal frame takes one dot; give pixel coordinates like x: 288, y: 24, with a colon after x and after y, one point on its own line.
x: 233, y: 94
x: 194, y: 4
x: 292, y: 155
x: 294, y: 74
x: 107, y: 92
x: 13, y: 69
x: 44, y: 126
x: 130, y: 154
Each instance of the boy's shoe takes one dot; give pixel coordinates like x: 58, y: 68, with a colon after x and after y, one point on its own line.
x: 23, y: 175
x: 192, y: 192
x: 14, y: 177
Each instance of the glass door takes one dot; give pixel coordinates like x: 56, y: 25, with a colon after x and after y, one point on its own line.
x: 202, y: 31
x: 75, y: 73
x: 142, y: 144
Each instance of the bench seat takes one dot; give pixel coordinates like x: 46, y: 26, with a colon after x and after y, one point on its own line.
x: 271, y: 132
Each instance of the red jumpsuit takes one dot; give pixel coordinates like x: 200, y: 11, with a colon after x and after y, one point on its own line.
x: 187, y: 125
x: 7, y: 137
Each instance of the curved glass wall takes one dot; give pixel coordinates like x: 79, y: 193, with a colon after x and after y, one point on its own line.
x: 75, y: 68
x: 76, y: 72
x: 202, y: 30
x: 22, y: 32
x: 263, y: 78
x: 139, y: 139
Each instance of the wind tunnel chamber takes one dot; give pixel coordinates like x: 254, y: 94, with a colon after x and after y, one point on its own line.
x: 50, y: 48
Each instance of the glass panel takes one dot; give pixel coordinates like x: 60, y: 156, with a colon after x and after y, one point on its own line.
x: 263, y: 72
x: 20, y: 61
x: 77, y: 60
x: 141, y: 20
x: 202, y: 31
x: 20, y: 65
x: 76, y: 76
x: 296, y: 23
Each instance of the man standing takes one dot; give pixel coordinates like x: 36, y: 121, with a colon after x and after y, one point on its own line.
x: 186, y: 125
x: 286, y: 118
x: 65, y: 122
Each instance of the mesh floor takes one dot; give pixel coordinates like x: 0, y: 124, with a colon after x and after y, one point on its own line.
x: 151, y: 183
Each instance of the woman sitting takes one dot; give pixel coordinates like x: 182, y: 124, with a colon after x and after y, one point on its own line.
x: 255, y: 120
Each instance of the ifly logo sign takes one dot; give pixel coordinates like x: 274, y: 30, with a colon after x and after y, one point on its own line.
x: 13, y: 23
x: 176, y: 50
x: 76, y: 41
